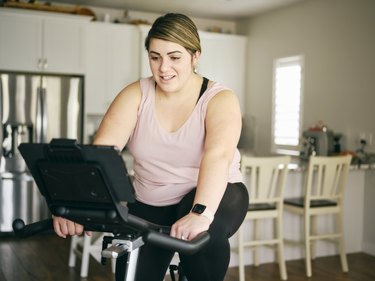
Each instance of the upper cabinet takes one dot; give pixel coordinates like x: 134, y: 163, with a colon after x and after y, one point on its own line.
x: 144, y: 64
x: 111, y: 62
x: 109, y: 55
x: 21, y: 41
x: 41, y: 41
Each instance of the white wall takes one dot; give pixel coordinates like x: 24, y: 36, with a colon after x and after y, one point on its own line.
x: 368, y: 245
x: 337, y: 39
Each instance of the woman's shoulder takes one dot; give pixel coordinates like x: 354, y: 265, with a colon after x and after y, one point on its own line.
x: 139, y: 85
x: 216, y: 86
x: 147, y: 82
x: 132, y: 89
x: 130, y: 94
x: 217, y: 89
x: 219, y: 95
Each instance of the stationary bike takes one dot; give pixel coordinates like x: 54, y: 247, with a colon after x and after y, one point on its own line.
x: 90, y: 185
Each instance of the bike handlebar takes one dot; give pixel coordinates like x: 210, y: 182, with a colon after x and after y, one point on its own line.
x: 182, y: 246
x: 21, y: 230
x: 152, y: 233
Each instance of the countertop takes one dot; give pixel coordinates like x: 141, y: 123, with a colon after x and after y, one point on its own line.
x: 299, y: 164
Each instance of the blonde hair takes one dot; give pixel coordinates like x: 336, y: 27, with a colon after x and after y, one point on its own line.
x: 176, y: 28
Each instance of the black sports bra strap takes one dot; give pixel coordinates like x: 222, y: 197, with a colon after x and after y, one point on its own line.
x: 203, y: 88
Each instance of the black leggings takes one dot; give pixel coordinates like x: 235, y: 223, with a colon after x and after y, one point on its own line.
x: 209, y: 264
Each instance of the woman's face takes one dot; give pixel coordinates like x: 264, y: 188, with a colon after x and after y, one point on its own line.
x: 171, y: 64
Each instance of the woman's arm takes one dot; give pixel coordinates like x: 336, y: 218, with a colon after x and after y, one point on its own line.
x: 121, y: 117
x: 223, y: 129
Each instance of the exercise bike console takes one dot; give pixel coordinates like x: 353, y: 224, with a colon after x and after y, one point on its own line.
x: 89, y: 184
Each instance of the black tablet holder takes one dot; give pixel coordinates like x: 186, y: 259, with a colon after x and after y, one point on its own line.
x: 90, y: 185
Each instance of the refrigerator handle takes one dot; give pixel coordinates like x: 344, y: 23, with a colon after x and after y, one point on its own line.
x: 1, y: 121
x: 45, y: 120
x: 41, y: 116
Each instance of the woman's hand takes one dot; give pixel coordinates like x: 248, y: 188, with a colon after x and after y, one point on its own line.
x: 189, y: 226
x: 64, y: 227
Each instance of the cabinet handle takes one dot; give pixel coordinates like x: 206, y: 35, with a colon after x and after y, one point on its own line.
x: 45, y: 64
x: 40, y: 63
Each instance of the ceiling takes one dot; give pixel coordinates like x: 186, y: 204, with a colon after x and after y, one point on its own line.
x: 213, y: 9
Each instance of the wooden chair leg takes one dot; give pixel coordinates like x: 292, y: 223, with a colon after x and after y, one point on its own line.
x: 307, y: 245
x: 282, y: 266
x: 72, y: 254
x: 85, y: 256
x: 280, y: 250
x: 313, y: 231
x: 276, y: 234
x: 342, y: 250
x: 241, y: 252
x: 255, y: 248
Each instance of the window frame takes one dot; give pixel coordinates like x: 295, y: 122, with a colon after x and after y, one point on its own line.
x: 283, y: 61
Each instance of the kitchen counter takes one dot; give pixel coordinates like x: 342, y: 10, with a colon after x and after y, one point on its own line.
x: 299, y: 164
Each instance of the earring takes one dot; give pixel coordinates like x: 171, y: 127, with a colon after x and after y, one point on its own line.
x: 195, y: 70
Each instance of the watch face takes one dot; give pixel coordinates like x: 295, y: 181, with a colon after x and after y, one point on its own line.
x: 198, y: 208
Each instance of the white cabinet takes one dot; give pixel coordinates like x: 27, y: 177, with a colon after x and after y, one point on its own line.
x: 62, y: 45
x: 144, y: 64
x: 111, y: 62
x: 21, y: 41
x: 45, y: 42
x: 223, y: 60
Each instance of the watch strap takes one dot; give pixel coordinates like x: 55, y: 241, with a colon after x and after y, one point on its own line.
x: 202, y: 210
x: 208, y: 214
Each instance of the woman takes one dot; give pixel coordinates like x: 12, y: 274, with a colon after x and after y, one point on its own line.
x: 182, y: 131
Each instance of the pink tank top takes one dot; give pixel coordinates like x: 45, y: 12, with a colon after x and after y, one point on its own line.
x: 166, y: 165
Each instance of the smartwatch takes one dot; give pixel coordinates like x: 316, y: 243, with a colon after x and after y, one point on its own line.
x: 202, y: 210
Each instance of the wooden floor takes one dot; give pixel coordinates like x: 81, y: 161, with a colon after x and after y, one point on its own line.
x: 45, y: 258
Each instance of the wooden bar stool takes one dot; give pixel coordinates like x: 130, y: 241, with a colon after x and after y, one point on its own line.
x: 324, y: 190
x: 266, y: 189
x: 85, y: 246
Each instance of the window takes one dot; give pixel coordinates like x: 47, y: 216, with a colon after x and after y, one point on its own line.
x: 287, y: 101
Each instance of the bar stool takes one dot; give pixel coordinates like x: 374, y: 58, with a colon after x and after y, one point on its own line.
x: 324, y: 190
x: 266, y: 189
x: 85, y: 246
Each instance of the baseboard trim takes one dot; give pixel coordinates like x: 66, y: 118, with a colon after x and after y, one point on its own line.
x: 368, y: 248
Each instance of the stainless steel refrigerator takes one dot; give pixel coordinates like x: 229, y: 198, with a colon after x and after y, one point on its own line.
x: 33, y: 108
